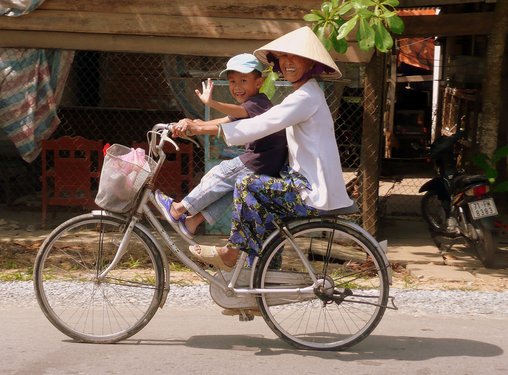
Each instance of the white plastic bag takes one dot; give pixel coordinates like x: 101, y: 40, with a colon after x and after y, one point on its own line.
x: 124, y: 172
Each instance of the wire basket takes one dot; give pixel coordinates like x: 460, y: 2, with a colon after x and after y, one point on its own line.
x: 124, y: 172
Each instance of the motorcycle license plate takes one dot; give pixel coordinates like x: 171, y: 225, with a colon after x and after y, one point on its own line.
x: 483, y: 208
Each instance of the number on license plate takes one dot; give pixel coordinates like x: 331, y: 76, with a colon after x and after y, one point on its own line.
x: 483, y: 208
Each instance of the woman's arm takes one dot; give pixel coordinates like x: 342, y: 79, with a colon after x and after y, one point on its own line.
x: 199, y: 127
x: 295, y: 108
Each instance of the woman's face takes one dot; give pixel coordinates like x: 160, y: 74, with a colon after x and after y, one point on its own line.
x: 293, y: 67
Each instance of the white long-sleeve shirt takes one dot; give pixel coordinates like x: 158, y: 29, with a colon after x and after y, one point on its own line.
x: 312, y: 146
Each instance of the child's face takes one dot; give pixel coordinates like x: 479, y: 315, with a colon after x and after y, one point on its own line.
x: 243, y: 85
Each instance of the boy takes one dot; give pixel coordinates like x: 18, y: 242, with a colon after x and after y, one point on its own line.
x: 212, y: 197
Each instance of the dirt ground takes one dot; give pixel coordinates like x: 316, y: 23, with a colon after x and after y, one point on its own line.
x: 21, y: 237
x: 17, y: 256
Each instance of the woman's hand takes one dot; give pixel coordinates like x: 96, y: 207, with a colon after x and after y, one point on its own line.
x: 180, y: 129
x: 206, y: 96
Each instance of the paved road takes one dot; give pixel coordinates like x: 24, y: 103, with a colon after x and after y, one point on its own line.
x: 185, y: 340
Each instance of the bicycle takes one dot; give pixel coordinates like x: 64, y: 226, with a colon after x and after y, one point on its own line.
x: 321, y: 283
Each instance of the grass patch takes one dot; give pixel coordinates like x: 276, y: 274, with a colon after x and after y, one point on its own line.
x: 178, y: 267
x: 16, y: 276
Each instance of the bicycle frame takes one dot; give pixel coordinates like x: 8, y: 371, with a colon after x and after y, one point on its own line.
x: 333, y: 275
x: 230, y: 288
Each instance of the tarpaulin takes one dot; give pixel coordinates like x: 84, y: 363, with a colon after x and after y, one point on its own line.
x: 32, y: 82
x: 18, y: 7
x: 31, y: 85
x: 418, y: 52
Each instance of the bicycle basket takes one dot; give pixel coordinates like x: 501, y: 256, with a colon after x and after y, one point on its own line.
x: 124, y: 172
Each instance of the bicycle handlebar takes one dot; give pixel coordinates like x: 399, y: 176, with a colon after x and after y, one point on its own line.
x: 162, y: 130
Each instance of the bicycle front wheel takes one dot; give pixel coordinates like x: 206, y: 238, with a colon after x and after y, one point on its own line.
x: 348, y: 282
x: 433, y: 211
x: 82, y: 305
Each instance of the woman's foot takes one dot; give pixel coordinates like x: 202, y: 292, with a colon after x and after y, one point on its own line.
x: 221, y: 257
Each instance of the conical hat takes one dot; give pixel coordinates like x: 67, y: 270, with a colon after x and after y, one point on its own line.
x: 302, y: 42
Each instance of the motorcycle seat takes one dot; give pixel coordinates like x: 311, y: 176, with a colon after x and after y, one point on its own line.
x: 464, y: 181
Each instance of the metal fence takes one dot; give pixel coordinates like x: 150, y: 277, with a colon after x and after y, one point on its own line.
x: 117, y: 97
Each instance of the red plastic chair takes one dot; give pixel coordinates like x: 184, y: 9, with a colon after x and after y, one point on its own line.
x: 71, y: 168
x: 176, y: 177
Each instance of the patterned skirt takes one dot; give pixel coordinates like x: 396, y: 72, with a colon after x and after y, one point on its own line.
x: 259, y: 201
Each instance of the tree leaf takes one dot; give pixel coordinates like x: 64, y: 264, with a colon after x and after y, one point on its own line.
x: 395, y: 24
x: 346, y: 28
x: 491, y: 174
x: 311, y: 17
x: 383, y: 39
x: 340, y: 45
x: 365, y: 35
x: 345, y: 8
x: 326, y: 8
x: 268, y: 86
x: 502, y: 187
x: 482, y: 161
x: 393, y: 3
x: 364, y: 3
x: 499, y: 154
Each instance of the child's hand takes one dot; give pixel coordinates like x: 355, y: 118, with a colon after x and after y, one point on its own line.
x: 206, y: 96
x: 181, y: 128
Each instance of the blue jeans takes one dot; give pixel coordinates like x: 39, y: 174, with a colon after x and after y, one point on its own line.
x: 214, y: 194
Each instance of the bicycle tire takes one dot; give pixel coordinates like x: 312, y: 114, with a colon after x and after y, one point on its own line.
x: 315, y: 321
x: 70, y: 294
x: 433, y: 212
x: 484, y: 245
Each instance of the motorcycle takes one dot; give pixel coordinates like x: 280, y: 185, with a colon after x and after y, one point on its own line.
x: 458, y: 205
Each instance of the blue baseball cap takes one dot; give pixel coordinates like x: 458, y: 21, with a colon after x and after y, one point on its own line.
x: 243, y: 63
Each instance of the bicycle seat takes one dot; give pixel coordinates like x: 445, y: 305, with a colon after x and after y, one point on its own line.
x: 349, y: 210
x: 353, y: 209
x: 464, y: 181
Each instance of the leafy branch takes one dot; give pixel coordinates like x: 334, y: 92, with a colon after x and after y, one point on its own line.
x: 268, y: 86
x: 488, y: 165
x: 374, y: 21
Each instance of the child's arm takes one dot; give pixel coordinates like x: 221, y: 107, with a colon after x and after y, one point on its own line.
x: 233, y: 110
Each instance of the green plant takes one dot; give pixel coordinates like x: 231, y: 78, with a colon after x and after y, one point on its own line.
x: 132, y: 262
x: 15, y: 276
x: 268, y: 87
x: 488, y: 165
x: 177, y: 266
x: 374, y: 21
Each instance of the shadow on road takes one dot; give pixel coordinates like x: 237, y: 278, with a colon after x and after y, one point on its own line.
x: 375, y: 347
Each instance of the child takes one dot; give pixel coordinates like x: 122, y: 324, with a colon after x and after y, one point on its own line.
x: 212, y: 197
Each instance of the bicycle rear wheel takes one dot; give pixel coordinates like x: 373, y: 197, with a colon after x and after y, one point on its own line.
x: 348, y: 299
x: 70, y: 293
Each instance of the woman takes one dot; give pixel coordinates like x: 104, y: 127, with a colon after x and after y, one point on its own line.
x: 313, y: 181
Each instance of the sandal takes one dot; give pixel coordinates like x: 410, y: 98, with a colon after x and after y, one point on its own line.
x: 164, y: 202
x: 209, y: 255
x: 183, y: 228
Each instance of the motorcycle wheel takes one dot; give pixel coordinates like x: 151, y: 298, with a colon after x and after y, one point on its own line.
x: 484, y: 243
x: 433, y: 212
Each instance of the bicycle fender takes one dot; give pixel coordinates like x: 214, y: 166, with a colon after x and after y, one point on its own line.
x: 435, y: 184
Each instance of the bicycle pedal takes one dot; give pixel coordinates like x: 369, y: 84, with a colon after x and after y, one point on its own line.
x: 243, y: 315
